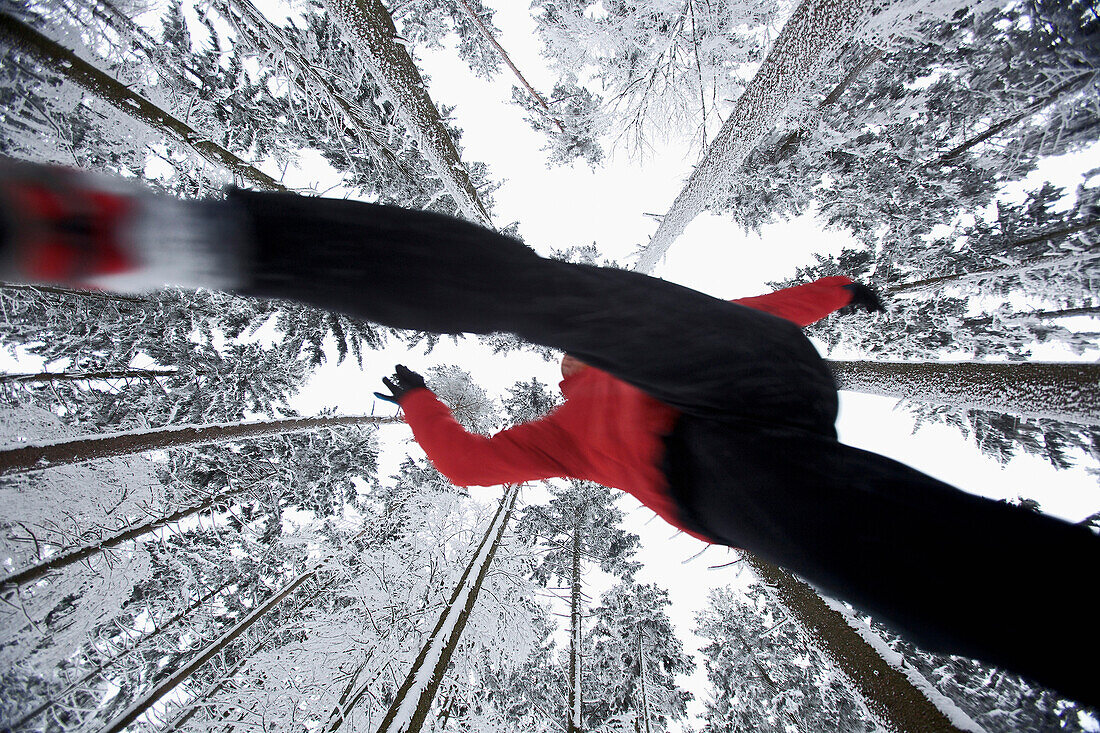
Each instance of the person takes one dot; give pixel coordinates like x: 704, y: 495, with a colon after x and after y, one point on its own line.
x: 751, y: 457
x: 607, y: 431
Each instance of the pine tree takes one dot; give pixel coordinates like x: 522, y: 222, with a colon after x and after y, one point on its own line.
x: 578, y: 525
x: 371, y: 30
x: 635, y: 658
x: 763, y: 676
x: 414, y: 699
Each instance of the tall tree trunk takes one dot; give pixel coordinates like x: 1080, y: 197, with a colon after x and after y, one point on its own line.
x: 815, y: 31
x: 112, y: 445
x: 65, y: 63
x: 368, y: 26
x: 254, y: 27
x: 1033, y: 263
x: 65, y: 558
x: 414, y: 698
x: 575, y: 724
x: 645, y: 691
x: 100, y: 669
x: 1067, y: 391
x: 1091, y: 310
x: 138, y: 708
x: 488, y: 36
x: 888, y: 692
x: 198, y: 701
x: 149, y: 374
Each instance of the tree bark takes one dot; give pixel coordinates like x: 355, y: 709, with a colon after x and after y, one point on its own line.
x: 88, y: 376
x: 115, y: 659
x: 112, y: 445
x: 488, y: 36
x: 368, y: 26
x: 414, y: 699
x: 67, y: 64
x: 575, y: 724
x: 1067, y: 391
x: 1033, y: 263
x: 138, y: 708
x: 69, y: 557
x: 888, y: 692
x: 815, y: 30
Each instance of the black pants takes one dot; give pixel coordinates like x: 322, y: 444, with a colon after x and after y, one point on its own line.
x: 754, y: 461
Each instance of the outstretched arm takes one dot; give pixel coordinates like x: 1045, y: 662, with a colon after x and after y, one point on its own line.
x: 534, y: 450
x: 809, y: 303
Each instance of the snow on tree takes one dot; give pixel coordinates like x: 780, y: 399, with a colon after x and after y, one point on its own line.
x: 71, y: 67
x: 762, y: 675
x: 809, y: 43
x: 1034, y: 249
x: 886, y: 691
x: 579, y: 525
x: 368, y: 27
x: 634, y: 659
x: 898, y: 153
x: 414, y: 699
x: 529, y: 401
x: 238, y: 545
x: 471, y: 405
x: 650, y: 69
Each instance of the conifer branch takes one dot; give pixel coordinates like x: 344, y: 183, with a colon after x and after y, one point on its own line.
x: 61, y: 60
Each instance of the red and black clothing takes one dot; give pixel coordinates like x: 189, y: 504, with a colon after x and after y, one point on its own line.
x: 752, y: 459
x: 607, y: 431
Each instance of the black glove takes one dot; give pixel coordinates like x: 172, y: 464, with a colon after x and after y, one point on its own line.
x: 865, y: 298
x: 404, y: 381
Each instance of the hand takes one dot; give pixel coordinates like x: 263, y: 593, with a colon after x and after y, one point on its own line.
x: 865, y: 298
x: 404, y: 381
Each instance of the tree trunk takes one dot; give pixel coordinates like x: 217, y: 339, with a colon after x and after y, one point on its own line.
x: 1072, y: 85
x: 254, y: 27
x: 1067, y: 391
x: 888, y: 692
x: 414, y: 698
x: 488, y: 36
x: 369, y: 27
x: 160, y: 628
x: 149, y: 374
x: 112, y: 445
x: 197, y: 702
x: 815, y: 30
x: 1033, y: 263
x: 575, y: 724
x: 138, y: 708
x: 645, y: 692
x: 65, y: 558
x: 791, y: 141
x: 65, y: 63
x: 1091, y: 310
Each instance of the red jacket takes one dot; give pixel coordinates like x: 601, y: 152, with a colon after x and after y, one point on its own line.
x: 606, y: 431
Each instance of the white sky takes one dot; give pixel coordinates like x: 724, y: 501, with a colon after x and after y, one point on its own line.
x: 561, y: 207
